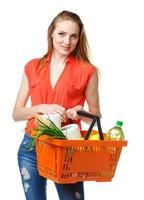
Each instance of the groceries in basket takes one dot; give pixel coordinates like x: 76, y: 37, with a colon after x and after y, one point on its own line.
x: 50, y: 126
x: 116, y: 133
x: 71, y: 131
x: 44, y: 126
x: 55, y: 118
x: 94, y: 135
x: 58, y: 160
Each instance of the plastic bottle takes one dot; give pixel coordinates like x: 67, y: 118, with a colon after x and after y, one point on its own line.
x: 116, y: 133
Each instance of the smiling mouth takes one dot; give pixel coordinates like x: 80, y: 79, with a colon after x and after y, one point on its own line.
x: 66, y: 48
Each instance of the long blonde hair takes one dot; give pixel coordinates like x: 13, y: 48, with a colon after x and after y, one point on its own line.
x: 81, y: 51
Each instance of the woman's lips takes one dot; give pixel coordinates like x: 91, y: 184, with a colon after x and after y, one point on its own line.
x: 66, y: 48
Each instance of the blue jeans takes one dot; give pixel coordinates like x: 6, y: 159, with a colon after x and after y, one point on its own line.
x: 35, y: 185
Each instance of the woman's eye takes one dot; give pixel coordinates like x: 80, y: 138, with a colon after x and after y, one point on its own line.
x: 74, y: 36
x: 61, y: 34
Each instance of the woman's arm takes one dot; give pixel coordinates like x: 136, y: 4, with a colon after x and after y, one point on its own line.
x: 92, y: 98
x: 92, y: 95
x: 21, y: 112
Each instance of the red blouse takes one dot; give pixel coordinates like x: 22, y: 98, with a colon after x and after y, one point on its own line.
x: 69, y: 89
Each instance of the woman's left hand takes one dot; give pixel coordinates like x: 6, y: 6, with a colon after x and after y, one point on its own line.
x: 72, y: 112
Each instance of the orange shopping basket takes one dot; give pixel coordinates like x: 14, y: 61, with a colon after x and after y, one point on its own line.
x: 70, y: 161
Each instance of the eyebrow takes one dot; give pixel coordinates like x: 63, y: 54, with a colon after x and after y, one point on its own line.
x: 66, y: 32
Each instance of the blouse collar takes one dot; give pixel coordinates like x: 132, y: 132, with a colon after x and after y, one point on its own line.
x: 70, y: 58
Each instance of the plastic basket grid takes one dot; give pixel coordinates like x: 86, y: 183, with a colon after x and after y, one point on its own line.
x: 69, y: 161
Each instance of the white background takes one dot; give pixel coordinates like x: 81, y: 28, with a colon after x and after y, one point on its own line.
x: 116, y: 37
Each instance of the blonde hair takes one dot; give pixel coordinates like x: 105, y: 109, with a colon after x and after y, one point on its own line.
x: 81, y: 51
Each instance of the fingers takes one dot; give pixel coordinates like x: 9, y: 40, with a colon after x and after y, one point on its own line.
x: 61, y: 111
x: 72, y: 112
x: 59, y: 107
x: 63, y: 116
x: 53, y: 109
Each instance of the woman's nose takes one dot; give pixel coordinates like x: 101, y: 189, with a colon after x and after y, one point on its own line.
x: 67, y: 40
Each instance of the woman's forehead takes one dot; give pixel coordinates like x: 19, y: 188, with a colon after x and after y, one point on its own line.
x: 67, y: 25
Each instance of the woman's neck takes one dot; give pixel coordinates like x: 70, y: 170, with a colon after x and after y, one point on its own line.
x: 57, y: 58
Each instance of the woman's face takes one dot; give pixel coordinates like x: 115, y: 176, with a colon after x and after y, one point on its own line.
x: 65, y: 37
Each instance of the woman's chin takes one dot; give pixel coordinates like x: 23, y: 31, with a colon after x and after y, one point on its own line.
x: 65, y: 52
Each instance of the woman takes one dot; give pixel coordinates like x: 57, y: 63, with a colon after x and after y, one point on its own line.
x: 59, y: 82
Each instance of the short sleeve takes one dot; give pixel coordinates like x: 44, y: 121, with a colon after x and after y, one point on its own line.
x: 91, y: 69
x: 30, y: 68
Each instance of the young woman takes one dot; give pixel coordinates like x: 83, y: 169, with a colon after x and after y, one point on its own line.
x: 59, y: 82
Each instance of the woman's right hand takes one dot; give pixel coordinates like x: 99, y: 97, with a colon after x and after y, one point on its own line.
x: 52, y: 109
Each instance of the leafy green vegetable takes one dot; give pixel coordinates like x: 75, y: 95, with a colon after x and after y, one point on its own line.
x: 45, y: 127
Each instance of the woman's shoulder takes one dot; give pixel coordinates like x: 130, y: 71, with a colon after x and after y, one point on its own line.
x: 85, y: 66
x: 82, y: 69
x: 31, y: 65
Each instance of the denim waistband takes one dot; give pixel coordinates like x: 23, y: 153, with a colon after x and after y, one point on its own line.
x: 27, y: 136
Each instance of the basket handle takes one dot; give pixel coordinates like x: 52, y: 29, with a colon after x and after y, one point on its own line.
x: 95, y: 119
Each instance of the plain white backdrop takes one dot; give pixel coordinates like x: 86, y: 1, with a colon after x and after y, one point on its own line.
x: 116, y: 37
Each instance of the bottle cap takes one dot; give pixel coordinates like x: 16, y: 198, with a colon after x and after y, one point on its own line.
x: 119, y: 123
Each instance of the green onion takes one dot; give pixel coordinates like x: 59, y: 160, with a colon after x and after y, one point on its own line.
x: 45, y: 127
